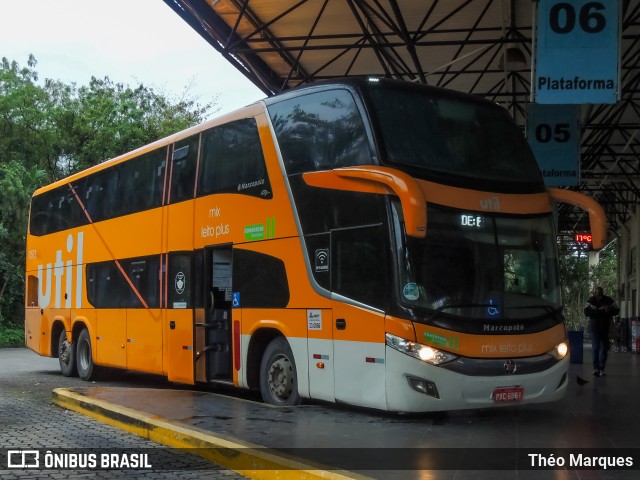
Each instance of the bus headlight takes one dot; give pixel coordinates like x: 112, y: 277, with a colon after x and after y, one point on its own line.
x: 417, y: 350
x: 560, y: 351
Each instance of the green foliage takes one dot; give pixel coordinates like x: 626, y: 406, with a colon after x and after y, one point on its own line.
x: 105, y: 119
x: 578, y: 280
x: 51, y: 129
x: 11, y: 337
x: 16, y: 184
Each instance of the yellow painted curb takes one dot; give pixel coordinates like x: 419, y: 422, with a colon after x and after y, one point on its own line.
x: 245, y: 458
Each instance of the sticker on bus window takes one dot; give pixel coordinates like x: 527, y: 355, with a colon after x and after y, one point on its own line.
x: 180, y: 283
x: 493, y: 308
x: 411, y: 291
x: 322, y: 260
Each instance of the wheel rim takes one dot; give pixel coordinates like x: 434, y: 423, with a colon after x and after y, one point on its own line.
x: 280, y: 378
x: 83, y: 355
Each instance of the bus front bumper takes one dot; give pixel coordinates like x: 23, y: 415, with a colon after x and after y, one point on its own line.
x: 416, y: 386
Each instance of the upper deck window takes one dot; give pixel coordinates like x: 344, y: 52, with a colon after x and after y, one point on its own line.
x: 320, y: 131
x: 444, y: 135
x: 183, y: 169
x: 232, y: 161
x: 129, y: 187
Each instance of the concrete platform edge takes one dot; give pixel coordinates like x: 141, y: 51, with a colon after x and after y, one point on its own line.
x: 246, y: 459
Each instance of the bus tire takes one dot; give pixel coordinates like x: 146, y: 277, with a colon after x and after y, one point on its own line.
x: 278, y: 374
x: 87, y: 370
x: 67, y: 356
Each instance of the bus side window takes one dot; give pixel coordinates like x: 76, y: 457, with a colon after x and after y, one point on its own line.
x: 38, y: 217
x: 183, y: 169
x: 232, y: 161
x: 140, y: 186
x: 320, y: 131
x: 100, y: 194
x: 32, y: 291
x: 107, y: 288
x: 56, y: 220
x: 260, y: 279
x: 144, y: 274
x: 358, y: 265
x: 54, y: 211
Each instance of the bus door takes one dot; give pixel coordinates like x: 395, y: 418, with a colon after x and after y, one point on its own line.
x: 213, y: 329
x: 179, y: 316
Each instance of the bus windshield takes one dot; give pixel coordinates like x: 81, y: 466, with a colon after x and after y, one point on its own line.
x: 479, y: 265
x: 442, y: 135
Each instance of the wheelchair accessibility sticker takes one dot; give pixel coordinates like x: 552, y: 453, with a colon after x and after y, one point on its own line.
x: 493, y: 308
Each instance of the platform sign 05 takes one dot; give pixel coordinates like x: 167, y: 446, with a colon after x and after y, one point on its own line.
x: 577, y: 51
x: 553, y: 132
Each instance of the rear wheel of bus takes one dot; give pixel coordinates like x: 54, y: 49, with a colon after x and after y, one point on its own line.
x: 84, y: 356
x: 278, y: 375
x: 67, y: 356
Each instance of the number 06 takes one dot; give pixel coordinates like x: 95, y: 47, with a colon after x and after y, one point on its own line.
x: 590, y: 19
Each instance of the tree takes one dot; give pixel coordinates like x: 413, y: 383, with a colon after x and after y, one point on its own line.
x: 51, y: 129
x: 105, y: 119
x: 16, y: 184
x: 24, y: 127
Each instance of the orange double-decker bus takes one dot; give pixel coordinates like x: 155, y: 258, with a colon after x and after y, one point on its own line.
x: 372, y: 242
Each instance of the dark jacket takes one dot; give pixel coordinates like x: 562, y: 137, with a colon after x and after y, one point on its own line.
x: 601, y: 308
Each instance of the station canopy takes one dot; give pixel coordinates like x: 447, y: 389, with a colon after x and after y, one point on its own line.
x: 483, y: 47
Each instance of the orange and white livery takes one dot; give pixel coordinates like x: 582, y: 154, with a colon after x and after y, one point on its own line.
x: 370, y: 242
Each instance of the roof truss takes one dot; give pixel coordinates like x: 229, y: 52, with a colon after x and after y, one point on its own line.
x: 458, y: 44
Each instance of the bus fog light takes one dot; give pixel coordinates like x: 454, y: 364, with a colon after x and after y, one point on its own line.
x: 421, y: 385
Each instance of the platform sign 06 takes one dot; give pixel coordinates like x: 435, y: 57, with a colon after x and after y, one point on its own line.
x: 553, y: 132
x: 577, y: 51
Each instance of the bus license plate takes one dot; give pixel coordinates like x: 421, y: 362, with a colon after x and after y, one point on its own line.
x: 508, y: 394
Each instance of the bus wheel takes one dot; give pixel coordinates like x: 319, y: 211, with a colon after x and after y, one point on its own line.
x: 84, y: 358
x: 67, y: 356
x: 278, y: 377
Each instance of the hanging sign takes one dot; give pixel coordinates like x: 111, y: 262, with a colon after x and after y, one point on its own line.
x: 553, y: 132
x: 577, y: 51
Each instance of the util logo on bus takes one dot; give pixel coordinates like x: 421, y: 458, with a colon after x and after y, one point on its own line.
x: 65, y: 272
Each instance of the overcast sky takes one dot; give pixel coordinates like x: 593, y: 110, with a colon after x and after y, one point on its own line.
x: 131, y: 41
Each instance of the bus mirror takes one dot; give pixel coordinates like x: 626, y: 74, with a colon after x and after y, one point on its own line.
x: 380, y: 180
x: 597, y: 216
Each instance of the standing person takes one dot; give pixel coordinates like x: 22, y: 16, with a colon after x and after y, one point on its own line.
x: 600, y: 310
